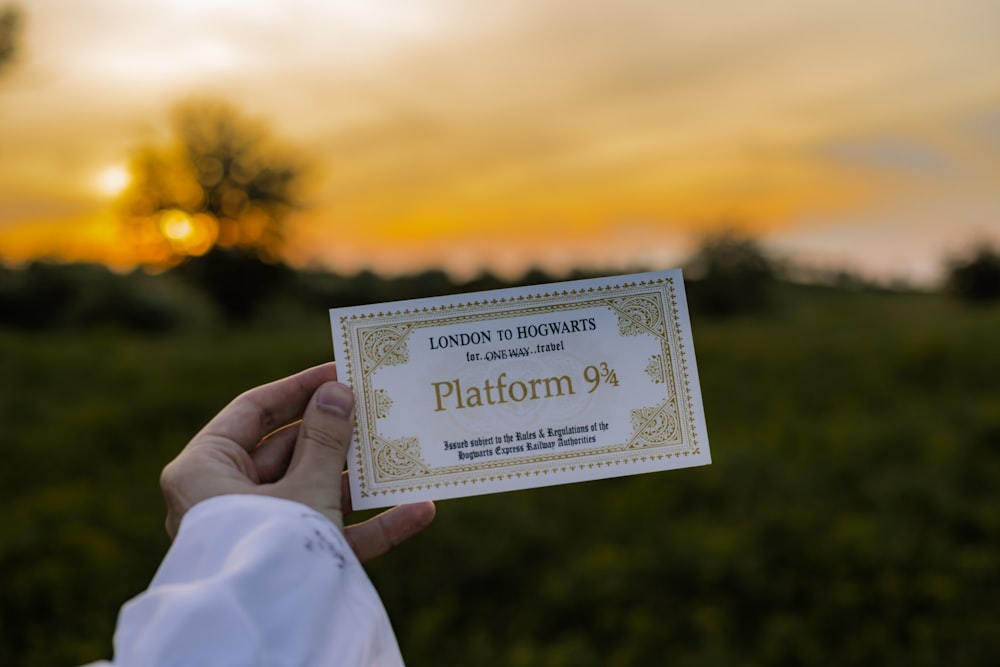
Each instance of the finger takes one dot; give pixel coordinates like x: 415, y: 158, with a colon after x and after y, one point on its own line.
x: 321, y: 447
x: 260, y: 411
x: 272, y: 455
x: 372, y: 538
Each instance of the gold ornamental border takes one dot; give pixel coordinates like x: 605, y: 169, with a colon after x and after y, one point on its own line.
x: 360, y: 370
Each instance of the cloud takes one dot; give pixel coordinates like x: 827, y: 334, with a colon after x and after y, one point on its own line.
x: 982, y: 129
x: 891, y: 154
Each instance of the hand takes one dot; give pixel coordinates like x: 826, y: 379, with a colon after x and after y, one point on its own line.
x: 258, y: 445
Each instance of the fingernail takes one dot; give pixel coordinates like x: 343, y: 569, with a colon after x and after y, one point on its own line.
x: 336, y: 398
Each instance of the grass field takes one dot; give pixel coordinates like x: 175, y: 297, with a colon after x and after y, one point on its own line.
x: 851, y: 515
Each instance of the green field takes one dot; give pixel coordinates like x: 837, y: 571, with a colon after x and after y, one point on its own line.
x: 851, y: 515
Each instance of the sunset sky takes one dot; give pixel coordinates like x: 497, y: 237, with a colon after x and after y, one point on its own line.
x: 505, y: 135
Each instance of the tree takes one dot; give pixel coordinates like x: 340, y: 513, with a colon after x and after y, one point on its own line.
x: 214, y: 202
x: 976, y: 277
x: 10, y: 29
x: 729, y: 273
x: 222, y: 182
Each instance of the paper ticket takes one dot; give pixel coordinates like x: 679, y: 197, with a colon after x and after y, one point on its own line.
x: 518, y: 388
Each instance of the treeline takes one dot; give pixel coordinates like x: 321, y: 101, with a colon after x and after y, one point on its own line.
x: 729, y: 275
x: 229, y: 289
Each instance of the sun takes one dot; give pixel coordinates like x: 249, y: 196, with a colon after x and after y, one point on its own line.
x: 177, y: 226
x: 113, y: 180
x: 186, y: 234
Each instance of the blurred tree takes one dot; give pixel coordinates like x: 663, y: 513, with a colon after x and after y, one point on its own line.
x: 976, y: 277
x: 223, y: 181
x: 215, y: 200
x: 728, y: 274
x: 10, y: 29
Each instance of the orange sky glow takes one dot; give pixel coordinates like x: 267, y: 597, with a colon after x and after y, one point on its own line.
x: 553, y: 133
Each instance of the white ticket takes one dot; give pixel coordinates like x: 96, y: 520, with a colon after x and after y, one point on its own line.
x: 518, y: 388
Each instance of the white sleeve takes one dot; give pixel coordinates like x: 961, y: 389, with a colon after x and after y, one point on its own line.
x: 252, y: 580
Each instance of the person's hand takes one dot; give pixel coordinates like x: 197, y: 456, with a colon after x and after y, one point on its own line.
x: 286, y: 439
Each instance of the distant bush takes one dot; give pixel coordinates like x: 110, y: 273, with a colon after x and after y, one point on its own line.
x: 48, y: 296
x: 729, y: 274
x: 976, y: 278
x: 328, y: 290
x: 236, y: 280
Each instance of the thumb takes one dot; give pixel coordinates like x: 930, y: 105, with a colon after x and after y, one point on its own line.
x: 313, y: 475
